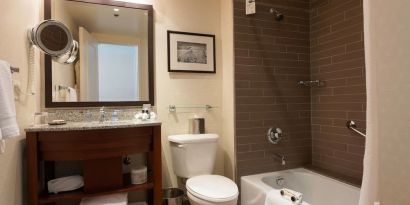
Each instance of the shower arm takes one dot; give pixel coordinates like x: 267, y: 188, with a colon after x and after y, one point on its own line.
x: 352, y: 125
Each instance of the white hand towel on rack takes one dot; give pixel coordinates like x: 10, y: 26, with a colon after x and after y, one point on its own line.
x: 71, y: 95
x: 8, y: 121
x: 60, y: 95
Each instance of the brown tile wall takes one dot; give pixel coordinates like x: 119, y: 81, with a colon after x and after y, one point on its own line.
x: 337, y: 57
x: 270, y: 57
x: 318, y: 39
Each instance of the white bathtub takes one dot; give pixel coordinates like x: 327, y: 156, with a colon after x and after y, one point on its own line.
x: 317, y: 189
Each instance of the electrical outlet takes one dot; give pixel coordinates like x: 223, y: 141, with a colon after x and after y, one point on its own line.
x: 250, y: 7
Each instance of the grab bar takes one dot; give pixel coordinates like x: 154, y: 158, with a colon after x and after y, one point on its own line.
x: 352, y: 125
x: 173, y: 108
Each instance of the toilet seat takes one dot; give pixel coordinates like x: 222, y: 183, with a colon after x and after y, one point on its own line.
x: 213, y: 188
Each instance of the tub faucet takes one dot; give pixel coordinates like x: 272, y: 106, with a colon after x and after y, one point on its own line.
x: 281, y: 157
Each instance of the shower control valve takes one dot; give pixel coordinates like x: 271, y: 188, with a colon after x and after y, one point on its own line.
x: 274, y: 135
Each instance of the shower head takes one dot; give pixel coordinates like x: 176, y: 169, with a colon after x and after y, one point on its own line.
x: 278, y: 15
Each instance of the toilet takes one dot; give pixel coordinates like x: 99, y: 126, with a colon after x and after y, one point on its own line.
x: 193, y: 157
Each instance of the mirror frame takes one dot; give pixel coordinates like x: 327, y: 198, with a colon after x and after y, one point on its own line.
x: 48, y: 60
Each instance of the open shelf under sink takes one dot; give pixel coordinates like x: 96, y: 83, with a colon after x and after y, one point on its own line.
x: 77, y: 195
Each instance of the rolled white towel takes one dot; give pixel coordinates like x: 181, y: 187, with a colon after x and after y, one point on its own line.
x: 153, y: 115
x: 138, y: 116
x: 275, y: 198
x: 62, y: 184
x: 113, y: 199
x: 144, y: 116
x: 292, y: 195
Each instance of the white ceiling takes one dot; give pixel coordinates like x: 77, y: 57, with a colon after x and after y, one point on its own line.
x: 100, y: 18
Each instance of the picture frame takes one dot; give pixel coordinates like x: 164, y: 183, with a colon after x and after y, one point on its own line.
x: 191, y: 52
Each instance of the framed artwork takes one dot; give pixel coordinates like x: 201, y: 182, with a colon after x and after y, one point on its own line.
x: 191, y: 52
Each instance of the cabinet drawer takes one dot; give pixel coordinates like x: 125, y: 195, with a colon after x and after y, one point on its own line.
x: 94, y: 144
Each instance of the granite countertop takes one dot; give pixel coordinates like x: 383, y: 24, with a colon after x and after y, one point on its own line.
x: 73, y: 126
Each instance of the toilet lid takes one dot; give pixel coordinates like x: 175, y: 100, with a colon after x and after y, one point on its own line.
x: 212, y: 188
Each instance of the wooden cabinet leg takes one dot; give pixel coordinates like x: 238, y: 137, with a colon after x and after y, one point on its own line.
x: 157, y: 166
x: 150, y: 197
x: 32, y: 169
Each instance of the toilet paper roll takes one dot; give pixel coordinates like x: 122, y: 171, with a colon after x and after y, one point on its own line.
x: 139, y: 175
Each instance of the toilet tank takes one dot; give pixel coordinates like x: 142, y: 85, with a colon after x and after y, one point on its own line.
x: 193, y: 154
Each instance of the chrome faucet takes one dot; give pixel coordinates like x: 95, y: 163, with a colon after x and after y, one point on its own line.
x: 281, y: 157
x: 103, y: 114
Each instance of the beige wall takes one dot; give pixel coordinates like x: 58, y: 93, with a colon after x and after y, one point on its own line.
x: 228, y: 91
x: 389, y: 63
x: 183, y: 89
x: 16, y: 17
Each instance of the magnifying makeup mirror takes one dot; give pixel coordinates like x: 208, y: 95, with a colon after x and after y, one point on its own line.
x: 56, y: 40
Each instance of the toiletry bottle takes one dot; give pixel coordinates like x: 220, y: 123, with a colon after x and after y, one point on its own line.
x: 146, y: 108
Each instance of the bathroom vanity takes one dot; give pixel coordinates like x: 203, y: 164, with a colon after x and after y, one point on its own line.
x: 100, y: 148
x: 92, y: 33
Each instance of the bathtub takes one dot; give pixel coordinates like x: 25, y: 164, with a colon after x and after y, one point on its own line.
x: 317, y: 189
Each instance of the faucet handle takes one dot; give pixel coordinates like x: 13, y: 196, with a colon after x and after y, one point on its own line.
x: 283, y: 160
x: 274, y: 135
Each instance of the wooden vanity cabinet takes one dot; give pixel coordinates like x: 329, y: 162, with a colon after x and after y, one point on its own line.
x: 100, y: 152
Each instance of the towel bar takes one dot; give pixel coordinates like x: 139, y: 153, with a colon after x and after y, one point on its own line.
x: 173, y: 108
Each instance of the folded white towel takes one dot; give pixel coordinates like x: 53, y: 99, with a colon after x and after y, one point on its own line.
x: 113, y: 199
x: 138, y: 203
x: 8, y: 121
x: 275, y: 198
x: 62, y: 184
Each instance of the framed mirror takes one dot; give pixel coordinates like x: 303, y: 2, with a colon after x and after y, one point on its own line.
x: 114, y: 64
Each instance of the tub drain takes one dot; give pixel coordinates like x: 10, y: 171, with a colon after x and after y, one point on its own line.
x: 280, y: 181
